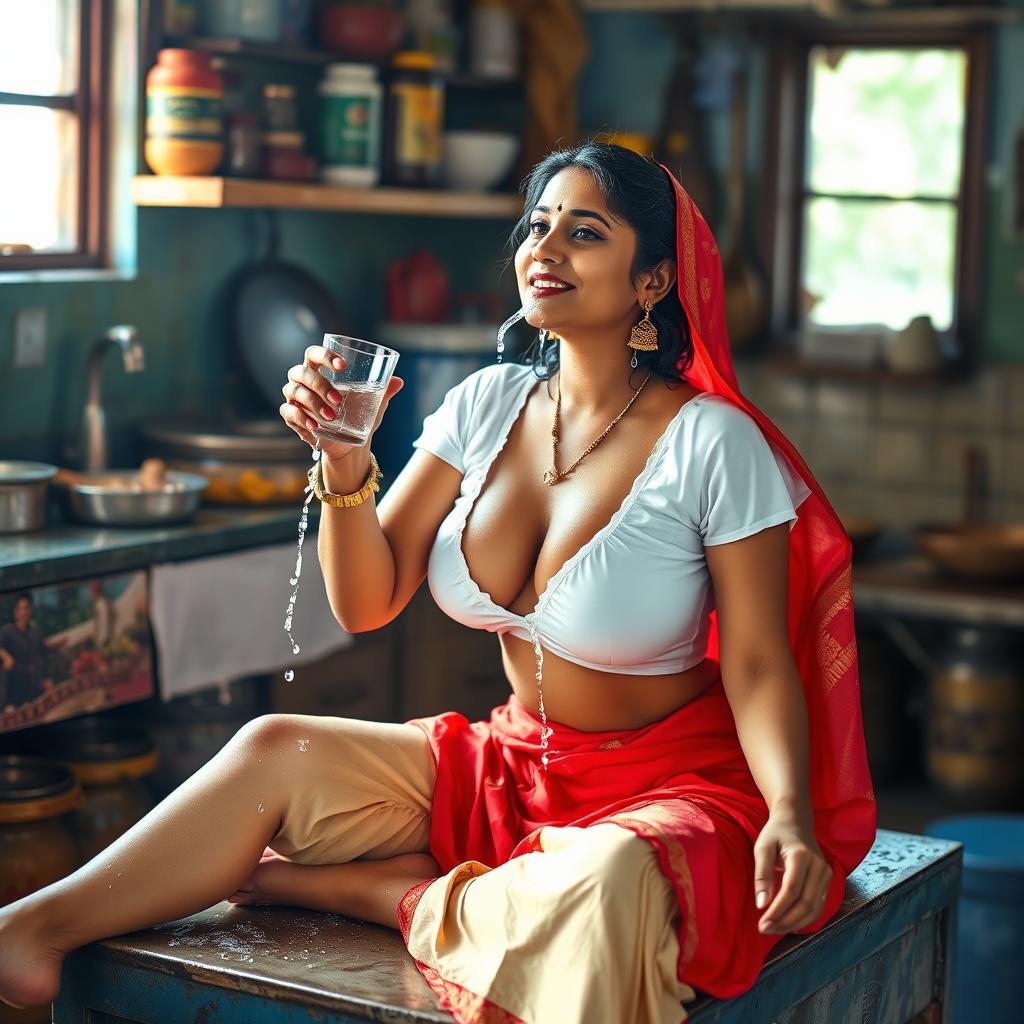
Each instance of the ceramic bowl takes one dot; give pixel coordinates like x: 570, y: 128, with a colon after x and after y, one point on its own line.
x: 477, y: 161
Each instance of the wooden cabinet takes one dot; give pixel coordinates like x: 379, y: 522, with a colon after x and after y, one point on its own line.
x: 445, y: 666
x: 420, y: 664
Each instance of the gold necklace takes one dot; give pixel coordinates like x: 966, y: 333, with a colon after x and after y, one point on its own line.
x: 552, y: 476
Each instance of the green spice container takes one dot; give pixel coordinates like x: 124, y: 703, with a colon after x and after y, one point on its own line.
x: 350, y: 125
x: 415, y: 121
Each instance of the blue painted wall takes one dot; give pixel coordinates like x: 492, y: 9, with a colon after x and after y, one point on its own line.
x: 186, y: 258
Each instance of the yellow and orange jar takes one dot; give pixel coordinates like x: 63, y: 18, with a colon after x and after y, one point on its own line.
x: 184, y: 114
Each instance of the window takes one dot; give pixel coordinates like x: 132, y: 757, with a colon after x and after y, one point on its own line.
x: 878, y: 165
x: 53, y: 130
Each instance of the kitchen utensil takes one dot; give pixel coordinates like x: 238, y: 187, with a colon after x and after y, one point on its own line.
x: 111, y: 498
x: 23, y: 491
x: 371, y: 32
x: 477, y: 161
x: 746, y: 310
x: 417, y: 289
x: 989, y: 552
x: 248, y: 462
x: 279, y: 310
x: 916, y: 348
x: 974, y: 711
x: 361, y: 384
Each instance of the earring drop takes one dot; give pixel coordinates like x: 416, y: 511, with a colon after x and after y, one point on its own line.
x: 644, y: 335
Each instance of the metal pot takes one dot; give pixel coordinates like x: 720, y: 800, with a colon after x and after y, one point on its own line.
x: 23, y: 491
x: 254, y: 462
x: 107, y: 505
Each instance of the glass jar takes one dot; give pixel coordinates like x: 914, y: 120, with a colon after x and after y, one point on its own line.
x: 279, y: 108
x: 245, y: 145
x: 184, y: 114
x: 350, y: 125
x: 37, y: 847
x: 415, y: 121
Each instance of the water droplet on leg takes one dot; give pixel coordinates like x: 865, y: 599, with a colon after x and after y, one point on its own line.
x: 289, y: 676
x: 260, y: 808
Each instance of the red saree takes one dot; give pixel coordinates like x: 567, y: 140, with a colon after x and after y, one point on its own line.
x: 682, y: 783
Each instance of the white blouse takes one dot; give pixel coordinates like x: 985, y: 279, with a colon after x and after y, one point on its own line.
x: 636, y: 598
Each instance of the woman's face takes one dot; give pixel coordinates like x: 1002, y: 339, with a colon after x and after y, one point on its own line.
x: 586, y: 256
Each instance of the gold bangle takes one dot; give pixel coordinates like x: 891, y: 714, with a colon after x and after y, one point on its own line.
x: 371, y: 486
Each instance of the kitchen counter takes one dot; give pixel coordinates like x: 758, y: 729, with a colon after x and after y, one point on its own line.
x: 913, y: 586
x: 66, y: 551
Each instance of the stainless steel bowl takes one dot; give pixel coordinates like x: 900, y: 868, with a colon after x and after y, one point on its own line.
x: 106, y: 504
x: 23, y: 490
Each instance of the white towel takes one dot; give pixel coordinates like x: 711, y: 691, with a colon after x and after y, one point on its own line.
x: 218, y: 619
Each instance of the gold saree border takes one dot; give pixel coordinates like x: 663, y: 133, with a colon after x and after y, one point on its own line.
x: 465, y: 1006
x: 671, y: 856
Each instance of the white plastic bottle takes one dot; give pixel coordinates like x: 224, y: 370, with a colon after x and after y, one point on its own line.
x: 350, y: 125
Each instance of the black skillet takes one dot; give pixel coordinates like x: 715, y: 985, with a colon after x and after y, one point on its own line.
x: 279, y: 309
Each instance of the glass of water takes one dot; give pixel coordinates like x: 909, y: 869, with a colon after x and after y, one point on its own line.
x: 361, y: 384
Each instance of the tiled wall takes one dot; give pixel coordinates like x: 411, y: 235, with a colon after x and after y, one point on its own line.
x: 896, y: 451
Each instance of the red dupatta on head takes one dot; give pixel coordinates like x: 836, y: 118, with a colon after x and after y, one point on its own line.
x: 820, y: 615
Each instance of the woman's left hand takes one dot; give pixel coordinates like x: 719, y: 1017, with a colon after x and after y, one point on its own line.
x: 787, y: 843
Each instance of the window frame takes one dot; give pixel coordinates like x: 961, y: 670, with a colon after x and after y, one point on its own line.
x: 89, y: 104
x: 785, y: 187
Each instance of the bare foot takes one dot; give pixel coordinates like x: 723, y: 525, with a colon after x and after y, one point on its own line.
x: 268, y: 884
x: 29, y: 966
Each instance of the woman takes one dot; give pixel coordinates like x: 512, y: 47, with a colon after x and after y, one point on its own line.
x: 679, y: 777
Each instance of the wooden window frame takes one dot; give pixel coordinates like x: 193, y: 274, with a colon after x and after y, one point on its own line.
x: 89, y: 104
x: 784, y: 184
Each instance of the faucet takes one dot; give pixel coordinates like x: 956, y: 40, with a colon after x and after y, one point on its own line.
x: 94, y: 420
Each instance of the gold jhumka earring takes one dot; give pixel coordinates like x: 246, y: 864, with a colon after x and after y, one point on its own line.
x: 644, y: 335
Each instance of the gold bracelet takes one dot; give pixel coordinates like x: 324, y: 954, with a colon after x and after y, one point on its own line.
x: 371, y: 486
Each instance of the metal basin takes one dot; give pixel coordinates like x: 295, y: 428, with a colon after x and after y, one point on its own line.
x: 981, y: 552
x: 23, y: 490
x: 114, y: 501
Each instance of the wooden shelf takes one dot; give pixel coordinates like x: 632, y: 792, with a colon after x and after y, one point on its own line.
x: 244, y: 49
x: 215, y: 193
x: 842, y: 11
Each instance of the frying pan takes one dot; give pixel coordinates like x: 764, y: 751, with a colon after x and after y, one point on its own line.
x: 279, y: 309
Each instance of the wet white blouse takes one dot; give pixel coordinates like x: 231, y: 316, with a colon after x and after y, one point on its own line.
x: 636, y: 598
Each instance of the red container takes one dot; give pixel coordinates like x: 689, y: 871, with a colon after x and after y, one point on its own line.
x: 365, y: 31
x: 184, y: 114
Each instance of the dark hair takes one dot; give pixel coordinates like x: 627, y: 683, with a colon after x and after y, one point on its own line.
x: 639, y: 192
x: 23, y: 596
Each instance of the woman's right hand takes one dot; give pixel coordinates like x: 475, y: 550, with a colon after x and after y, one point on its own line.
x: 309, y: 395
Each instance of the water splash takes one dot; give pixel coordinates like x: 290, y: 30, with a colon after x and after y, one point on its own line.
x: 296, y: 575
x: 503, y: 329
x: 546, y: 731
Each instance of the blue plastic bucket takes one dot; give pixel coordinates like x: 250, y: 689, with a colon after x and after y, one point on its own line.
x: 989, y: 984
